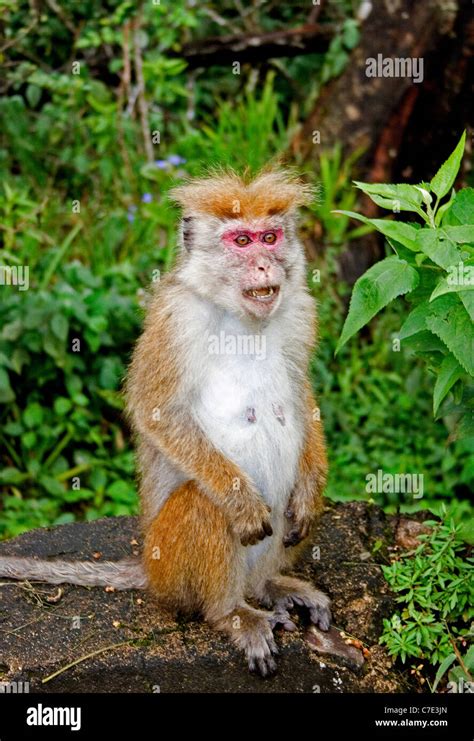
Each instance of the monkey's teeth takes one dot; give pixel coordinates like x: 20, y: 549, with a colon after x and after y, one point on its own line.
x: 262, y: 292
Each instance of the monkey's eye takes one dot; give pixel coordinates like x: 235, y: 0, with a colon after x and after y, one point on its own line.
x: 242, y: 240
x: 269, y: 237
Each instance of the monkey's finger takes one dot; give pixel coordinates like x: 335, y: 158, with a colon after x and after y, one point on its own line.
x: 267, y: 528
x: 251, y: 538
x: 292, y: 538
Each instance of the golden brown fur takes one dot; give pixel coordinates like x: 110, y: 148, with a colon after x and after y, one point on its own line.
x: 229, y: 196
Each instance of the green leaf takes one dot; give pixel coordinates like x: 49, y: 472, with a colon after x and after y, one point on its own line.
x: 449, y: 320
x: 97, y: 324
x: 54, y: 347
x: 461, y: 210
x: 449, y: 372
x: 463, y: 234
x: 110, y: 373
x: 383, y: 282
x: 401, y: 197
x: 29, y: 439
x: 445, y: 286
x: 60, y: 326
x: 443, y: 668
x: 33, y: 415
x: 12, y: 331
x: 33, y: 94
x: 403, y: 233
x: 415, y: 321
x: 442, y: 214
x: 62, y: 405
x: 122, y: 491
x: 52, y: 486
x: 350, y: 33
x: 10, y: 475
x: 424, y: 342
x: 435, y: 244
x: 6, y: 392
x: 467, y: 297
x: 18, y: 359
x: 446, y: 175
x: 460, y: 279
x: 13, y: 428
x: 469, y: 658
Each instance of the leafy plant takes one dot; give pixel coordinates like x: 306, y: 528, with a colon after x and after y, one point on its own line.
x: 433, y: 267
x: 63, y: 351
x: 245, y: 134
x: 334, y: 179
x: 435, y: 589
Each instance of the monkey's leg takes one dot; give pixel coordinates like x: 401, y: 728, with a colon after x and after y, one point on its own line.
x: 285, y: 592
x: 195, y: 563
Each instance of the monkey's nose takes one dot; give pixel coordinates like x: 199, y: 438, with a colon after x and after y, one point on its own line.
x: 260, y: 264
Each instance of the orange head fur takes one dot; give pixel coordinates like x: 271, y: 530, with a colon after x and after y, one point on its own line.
x: 226, y: 195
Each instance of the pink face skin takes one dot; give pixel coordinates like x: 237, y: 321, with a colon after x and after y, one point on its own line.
x: 260, y: 274
x: 256, y: 238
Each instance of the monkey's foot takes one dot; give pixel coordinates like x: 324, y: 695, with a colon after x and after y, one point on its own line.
x: 251, y: 631
x: 287, y: 592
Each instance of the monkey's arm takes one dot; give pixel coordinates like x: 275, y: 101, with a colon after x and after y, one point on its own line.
x: 186, y: 446
x: 306, y: 498
x: 160, y: 403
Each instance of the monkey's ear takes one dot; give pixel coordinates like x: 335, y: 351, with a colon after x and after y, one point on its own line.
x: 187, y: 225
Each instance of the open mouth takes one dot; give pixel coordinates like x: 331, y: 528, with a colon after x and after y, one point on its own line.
x: 264, y: 295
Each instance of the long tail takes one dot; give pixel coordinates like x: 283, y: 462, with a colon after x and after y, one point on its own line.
x: 125, y: 574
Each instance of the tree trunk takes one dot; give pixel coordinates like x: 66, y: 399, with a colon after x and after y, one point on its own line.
x: 405, y: 128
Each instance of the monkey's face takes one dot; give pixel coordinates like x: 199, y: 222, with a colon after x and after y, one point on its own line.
x: 255, y: 254
x: 247, y: 267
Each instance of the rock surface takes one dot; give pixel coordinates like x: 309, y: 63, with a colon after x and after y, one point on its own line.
x: 124, y: 642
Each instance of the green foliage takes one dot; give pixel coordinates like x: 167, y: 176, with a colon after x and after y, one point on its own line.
x: 339, y: 50
x: 245, y: 135
x: 81, y: 206
x: 383, y: 282
x: 375, y: 415
x: 434, y: 266
x: 435, y: 589
x: 335, y: 194
x: 62, y: 358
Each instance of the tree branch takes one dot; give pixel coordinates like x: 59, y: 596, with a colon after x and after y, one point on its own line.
x: 312, y: 38
x: 142, y: 103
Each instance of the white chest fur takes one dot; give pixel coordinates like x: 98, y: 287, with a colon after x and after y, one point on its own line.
x: 246, y: 407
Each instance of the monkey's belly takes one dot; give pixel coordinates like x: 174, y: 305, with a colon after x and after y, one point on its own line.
x: 247, y: 411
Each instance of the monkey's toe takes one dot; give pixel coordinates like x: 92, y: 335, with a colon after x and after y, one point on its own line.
x: 321, y: 616
x: 263, y: 666
x: 317, y: 603
x: 282, y: 617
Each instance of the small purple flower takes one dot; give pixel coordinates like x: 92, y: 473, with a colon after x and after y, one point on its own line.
x: 161, y: 164
x: 131, y: 213
x: 147, y: 198
x: 175, y: 159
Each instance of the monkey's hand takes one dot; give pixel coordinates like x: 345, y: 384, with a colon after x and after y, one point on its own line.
x: 250, y: 519
x: 300, y: 513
